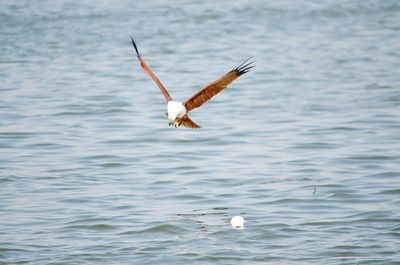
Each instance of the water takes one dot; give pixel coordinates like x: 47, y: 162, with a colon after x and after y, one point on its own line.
x: 305, y: 146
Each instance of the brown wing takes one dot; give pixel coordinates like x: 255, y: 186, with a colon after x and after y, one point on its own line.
x: 187, y: 122
x: 151, y: 74
x: 217, y: 86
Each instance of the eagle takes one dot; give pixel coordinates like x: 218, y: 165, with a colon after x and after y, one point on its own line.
x: 177, y: 112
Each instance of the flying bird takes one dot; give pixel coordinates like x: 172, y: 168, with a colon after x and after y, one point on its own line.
x: 178, y: 111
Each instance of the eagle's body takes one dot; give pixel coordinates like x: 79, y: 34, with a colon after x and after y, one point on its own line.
x: 178, y: 111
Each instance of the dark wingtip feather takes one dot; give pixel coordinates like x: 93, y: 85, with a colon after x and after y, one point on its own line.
x: 244, y: 67
x: 134, y: 46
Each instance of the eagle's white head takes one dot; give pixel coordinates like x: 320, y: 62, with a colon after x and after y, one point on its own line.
x: 176, y: 111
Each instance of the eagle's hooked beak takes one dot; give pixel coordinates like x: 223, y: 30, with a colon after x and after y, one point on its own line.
x: 177, y: 123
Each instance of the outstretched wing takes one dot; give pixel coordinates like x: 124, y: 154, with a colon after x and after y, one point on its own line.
x: 187, y: 122
x: 217, y: 86
x: 151, y: 74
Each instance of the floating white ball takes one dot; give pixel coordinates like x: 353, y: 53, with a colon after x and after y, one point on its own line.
x: 237, y: 222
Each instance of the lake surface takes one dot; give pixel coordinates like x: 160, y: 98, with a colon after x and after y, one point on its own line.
x: 306, y: 146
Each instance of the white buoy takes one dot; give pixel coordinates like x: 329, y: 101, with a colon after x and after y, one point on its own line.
x: 237, y: 222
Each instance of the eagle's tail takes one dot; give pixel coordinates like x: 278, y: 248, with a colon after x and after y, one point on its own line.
x: 187, y: 122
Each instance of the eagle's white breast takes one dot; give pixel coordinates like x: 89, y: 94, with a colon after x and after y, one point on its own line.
x: 175, y: 110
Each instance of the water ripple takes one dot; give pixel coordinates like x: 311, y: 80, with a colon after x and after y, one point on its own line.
x: 304, y: 146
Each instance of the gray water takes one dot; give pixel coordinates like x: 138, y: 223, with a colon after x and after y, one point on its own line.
x: 306, y: 146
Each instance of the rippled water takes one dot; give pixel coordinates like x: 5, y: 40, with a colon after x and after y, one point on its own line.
x: 306, y: 146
